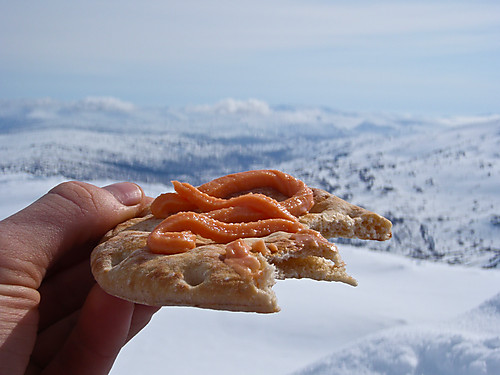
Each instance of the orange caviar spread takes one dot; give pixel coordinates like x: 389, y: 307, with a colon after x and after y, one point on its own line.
x: 172, y: 243
x: 216, y: 211
x: 260, y: 246
x: 239, y: 257
x: 305, y: 236
x: 218, y: 231
x: 299, y: 202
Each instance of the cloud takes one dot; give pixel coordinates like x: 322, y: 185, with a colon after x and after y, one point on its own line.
x: 234, y: 106
x: 100, y: 104
x: 413, y: 56
x: 467, y: 120
x: 47, y: 112
x: 177, y: 30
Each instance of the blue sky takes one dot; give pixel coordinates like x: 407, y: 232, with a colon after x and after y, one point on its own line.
x: 422, y: 57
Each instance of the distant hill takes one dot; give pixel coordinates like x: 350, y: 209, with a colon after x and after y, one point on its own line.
x: 436, y: 179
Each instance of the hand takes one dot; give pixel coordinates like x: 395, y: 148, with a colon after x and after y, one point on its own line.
x: 53, y: 317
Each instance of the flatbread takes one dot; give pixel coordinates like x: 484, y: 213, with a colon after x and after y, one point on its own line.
x: 124, y: 266
x: 334, y: 217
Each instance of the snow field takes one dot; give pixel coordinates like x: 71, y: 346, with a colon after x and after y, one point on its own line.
x: 405, y: 317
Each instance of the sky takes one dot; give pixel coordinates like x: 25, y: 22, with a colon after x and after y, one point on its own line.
x: 420, y: 57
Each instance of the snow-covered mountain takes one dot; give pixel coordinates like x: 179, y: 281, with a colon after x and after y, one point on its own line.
x: 437, y: 179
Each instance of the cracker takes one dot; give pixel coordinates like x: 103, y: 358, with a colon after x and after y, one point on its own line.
x: 123, y: 265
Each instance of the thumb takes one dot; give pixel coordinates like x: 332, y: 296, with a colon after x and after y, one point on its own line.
x: 67, y: 217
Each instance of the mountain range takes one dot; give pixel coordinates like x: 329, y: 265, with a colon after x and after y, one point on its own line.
x: 436, y: 179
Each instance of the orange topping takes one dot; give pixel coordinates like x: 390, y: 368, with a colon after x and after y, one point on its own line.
x: 239, y: 257
x: 171, y: 242
x: 169, y: 203
x: 235, y: 215
x: 259, y: 246
x: 305, y: 236
x: 222, y: 232
x: 223, y: 218
x: 237, y: 249
x: 300, y: 201
x: 272, y: 248
x: 257, y: 202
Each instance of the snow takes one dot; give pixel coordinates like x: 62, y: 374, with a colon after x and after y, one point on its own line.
x: 406, y: 317
x: 466, y: 344
x: 436, y: 178
x: 395, y: 298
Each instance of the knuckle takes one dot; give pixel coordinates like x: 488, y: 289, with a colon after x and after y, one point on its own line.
x: 77, y: 195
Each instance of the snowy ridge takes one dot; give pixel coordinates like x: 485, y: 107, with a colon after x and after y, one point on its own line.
x: 468, y: 344
x: 436, y: 179
x: 411, y: 316
x: 438, y: 186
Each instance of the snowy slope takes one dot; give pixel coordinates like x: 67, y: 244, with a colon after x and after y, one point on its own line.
x: 467, y: 344
x: 406, y: 316
x: 437, y: 179
x: 439, y: 186
x: 395, y: 297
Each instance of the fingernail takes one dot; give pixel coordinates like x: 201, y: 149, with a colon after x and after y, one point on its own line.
x: 127, y: 193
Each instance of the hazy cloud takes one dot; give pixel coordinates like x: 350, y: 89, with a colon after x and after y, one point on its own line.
x: 234, y: 106
x: 440, y: 56
x: 165, y: 31
x: 100, y: 104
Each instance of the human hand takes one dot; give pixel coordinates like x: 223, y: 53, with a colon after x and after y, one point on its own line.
x: 54, y: 318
